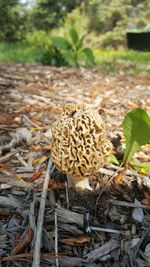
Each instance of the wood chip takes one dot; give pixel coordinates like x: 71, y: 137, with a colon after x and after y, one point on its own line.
x: 102, y: 250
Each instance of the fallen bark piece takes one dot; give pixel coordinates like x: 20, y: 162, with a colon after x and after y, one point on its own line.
x: 67, y: 216
x: 10, y: 180
x: 23, y: 134
x: 68, y: 261
x: 102, y: 251
x: 137, y: 213
x: 147, y: 253
x: 10, y: 202
x: 146, y: 182
x: 71, y: 229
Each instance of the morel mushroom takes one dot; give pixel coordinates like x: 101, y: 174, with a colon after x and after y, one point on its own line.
x: 79, y: 144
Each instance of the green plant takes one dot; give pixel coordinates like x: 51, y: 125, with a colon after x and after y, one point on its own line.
x: 136, y: 127
x: 73, y: 50
x: 147, y: 28
x: 38, y: 39
x: 59, y: 51
x: 13, y: 20
x: 46, y: 52
x: 52, y: 56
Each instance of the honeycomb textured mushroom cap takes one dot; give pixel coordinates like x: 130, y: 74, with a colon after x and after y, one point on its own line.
x: 79, y: 143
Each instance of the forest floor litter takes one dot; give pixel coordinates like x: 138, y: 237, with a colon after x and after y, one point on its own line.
x: 107, y: 227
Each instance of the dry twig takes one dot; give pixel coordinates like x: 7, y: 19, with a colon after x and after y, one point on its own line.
x: 56, y: 238
x: 100, y: 229
x: 36, y: 252
x: 126, y: 204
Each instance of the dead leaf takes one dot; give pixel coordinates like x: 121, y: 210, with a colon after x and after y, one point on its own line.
x: 4, y: 166
x: 53, y: 185
x: 40, y: 124
x: 38, y: 148
x: 118, y: 178
x: 4, y: 212
x: 19, y: 178
x: 82, y: 240
x: 36, y: 176
x: 146, y: 200
x: 25, y: 255
x: 24, y: 242
x: 40, y: 160
x: 37, y: 129
x: 48, y: 107
x: 6, y: 118
x: 47, y: 147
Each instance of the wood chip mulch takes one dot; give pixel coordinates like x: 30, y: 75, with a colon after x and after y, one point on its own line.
x: 42, y: 221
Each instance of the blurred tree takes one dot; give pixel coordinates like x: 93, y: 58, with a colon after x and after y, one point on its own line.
x: 111, y: 18
x: 47, y: 14
x: 12, y: 20
x: 103, y: 19
x: 106, y: 21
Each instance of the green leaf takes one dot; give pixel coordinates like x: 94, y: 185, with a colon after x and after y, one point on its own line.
x: 136, y: 127
x: 80, y: 43
x: 145, y: 165
x: 113, y: 160
x: 74, y: 36
x: 89, y: 55
x: 69, y: 56
x: 61, y: 43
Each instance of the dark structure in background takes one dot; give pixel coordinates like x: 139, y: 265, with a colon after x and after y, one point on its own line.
x: 138, y: 41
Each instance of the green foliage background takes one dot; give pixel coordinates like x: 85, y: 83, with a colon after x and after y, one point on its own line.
x: 13, y: 20
x: 105, y: 21
x: 102, y: 23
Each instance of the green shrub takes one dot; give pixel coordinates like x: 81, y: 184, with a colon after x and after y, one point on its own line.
x: 38, y: 39
x: 52, y: 56
x: 59, y: 51
x: 73, y: 50
x: 46, y: 52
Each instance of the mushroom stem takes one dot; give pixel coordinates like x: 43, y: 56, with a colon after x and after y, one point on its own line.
x: 70, y: 180
x: 79, y: 185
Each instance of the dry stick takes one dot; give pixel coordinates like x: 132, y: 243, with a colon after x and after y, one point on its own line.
x: 128, y: 204
x: 56, y: 237
x: 105, y: 230
x: 67, y: 195
x: 128, y: 172
x: 29, y: 121
x: 8, y: 156
x: 37, y: 247
x: 17, y: 78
